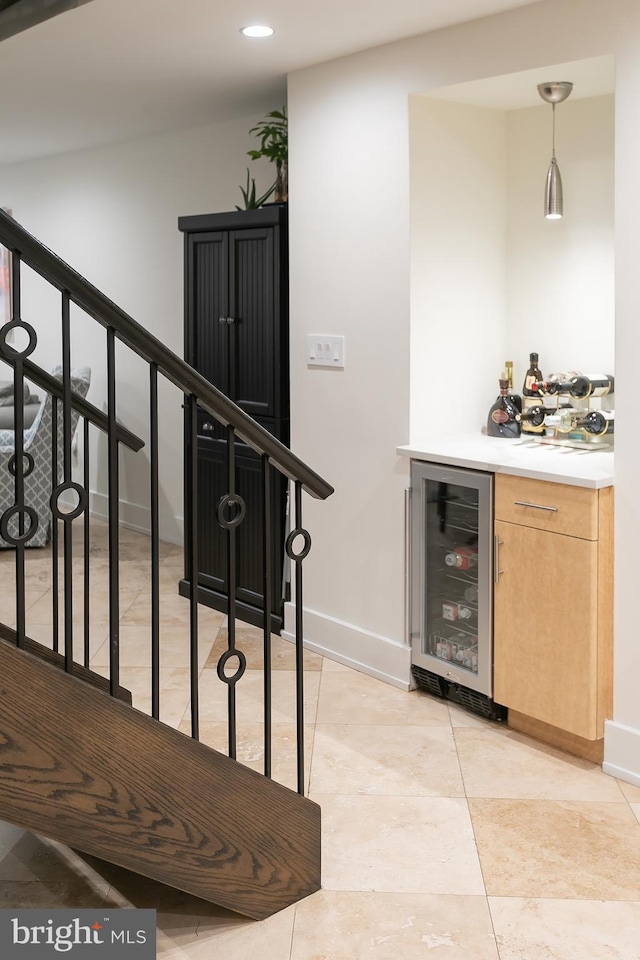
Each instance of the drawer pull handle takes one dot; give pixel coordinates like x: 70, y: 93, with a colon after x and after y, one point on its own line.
x: 535, y: 506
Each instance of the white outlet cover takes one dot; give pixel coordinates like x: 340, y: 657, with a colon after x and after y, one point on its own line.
x: 325, y: 350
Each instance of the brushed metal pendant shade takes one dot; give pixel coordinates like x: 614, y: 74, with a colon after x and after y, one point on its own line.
x: 555, y: 92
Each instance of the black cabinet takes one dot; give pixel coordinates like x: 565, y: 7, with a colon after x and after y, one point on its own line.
x: 237, y: 336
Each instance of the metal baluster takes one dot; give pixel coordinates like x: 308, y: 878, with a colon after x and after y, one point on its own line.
x: 193, y: 566
x: 55, y: 562
x: 66, y: 483
x: 155, y: 541
x: 299, y: 531
x: 18, y: 450
x: 87, y: 546
x: 114, y: 542
x: 267, y: 579
x: 231, y: 586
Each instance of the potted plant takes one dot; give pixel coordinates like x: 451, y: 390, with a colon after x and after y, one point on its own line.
x: 273, y: 135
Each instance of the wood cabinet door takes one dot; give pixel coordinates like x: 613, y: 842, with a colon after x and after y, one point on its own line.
x: 545, y: 627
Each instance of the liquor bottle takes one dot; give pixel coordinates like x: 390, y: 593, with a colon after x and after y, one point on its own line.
x: 462, y: 558
x: 501, y: 421
x: 533, y: 375
x: 579, y: 387
x: 515, y: 398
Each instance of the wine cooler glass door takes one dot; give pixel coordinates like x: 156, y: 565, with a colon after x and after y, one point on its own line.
x: 451, y: 575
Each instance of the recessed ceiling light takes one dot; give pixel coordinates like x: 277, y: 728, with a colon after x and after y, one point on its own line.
x: 257, y: 31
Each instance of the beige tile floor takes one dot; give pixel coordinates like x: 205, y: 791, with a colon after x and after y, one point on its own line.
x: 444, y: 835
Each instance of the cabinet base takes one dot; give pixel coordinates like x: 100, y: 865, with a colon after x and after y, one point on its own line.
x: 470, y: 699
x: 587, y: 749
x: 220, y: 601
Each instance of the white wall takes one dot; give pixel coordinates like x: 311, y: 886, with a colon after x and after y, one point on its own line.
x: 488, y: 272
x: 112, y: 214
x: 560, y: 273
x: 458, y: 264
x: 350, y: 269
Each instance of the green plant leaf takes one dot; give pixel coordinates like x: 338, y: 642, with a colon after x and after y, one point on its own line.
x: 251, y: 202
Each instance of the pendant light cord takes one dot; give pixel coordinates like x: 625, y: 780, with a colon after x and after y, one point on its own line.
x: 553, y: 131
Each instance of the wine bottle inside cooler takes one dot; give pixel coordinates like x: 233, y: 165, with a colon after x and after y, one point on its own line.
x: 462, y: 558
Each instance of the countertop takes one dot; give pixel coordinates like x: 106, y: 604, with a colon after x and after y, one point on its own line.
x: 520, y: 458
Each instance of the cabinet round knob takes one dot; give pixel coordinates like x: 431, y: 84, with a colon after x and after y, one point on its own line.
x: 222, y: 319
x: 231, y: 320
x: 207, y: 427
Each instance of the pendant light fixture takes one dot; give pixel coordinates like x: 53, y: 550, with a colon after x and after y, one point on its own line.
x: 553, y: 93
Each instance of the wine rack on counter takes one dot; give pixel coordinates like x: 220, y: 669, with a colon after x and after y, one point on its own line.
x: 567, y: 409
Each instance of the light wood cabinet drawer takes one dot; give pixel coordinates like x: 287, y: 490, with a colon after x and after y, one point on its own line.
x: 557, y: 507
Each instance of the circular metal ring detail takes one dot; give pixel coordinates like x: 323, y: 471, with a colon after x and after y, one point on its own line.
x: 10, y: 353
x: 222, y: 662
x: 77, y: 510
x: 11, y: 466
x: 6, y: 518
x: 306, y: 536
x: 231, y: 500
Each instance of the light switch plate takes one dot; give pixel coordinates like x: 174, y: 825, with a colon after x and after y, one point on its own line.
x: 325, y: 351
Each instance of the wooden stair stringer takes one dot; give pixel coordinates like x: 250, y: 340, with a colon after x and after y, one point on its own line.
x: 91, y: 772
x: 9, y: 635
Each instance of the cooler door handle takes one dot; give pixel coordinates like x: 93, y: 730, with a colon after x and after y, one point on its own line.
x: 497, y: 543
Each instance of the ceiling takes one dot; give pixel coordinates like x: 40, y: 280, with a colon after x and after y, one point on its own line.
x: 113, y: 70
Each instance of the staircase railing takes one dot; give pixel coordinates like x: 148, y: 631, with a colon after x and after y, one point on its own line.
x: 19, y: 521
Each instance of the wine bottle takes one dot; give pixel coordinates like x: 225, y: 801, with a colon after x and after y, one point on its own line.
x: 533, y: 416
x: 471, y: 593
x: 533, y: 375
x: 462, y: 558
x: 515, y: 398
x: 563, y: 420
x: 501, y: 421
x: 597, y: 422
x: 579, y: 387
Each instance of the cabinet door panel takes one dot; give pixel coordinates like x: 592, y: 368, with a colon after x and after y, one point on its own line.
x: 545, y: 627
x: 208, y: 301
x: 254, y: 341
x: 213, y: 539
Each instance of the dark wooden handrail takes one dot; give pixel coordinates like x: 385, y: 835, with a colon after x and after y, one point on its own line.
x: 106, y: 312
x: 87, y: 410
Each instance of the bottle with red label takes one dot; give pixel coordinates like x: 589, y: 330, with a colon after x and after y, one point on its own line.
x: 503, y: 419
x: 462, y: 558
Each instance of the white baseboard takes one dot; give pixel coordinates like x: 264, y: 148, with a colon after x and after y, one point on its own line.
x: 622, y: 752
x: 346, y: 643
x: 136, y: 517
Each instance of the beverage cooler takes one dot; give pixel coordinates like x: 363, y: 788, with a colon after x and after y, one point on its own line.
x: 451, y: 584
